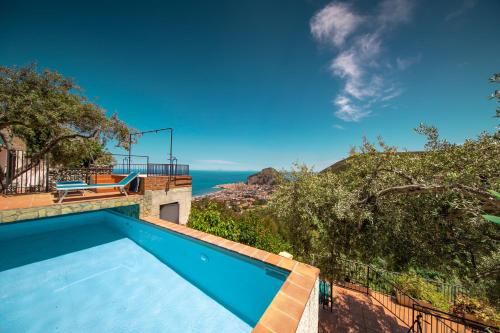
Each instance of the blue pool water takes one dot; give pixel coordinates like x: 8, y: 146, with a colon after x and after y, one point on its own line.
x: 104, y: 272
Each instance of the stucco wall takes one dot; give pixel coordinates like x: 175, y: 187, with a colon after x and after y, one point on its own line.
x: 155, y: 198
x: 309, y: 321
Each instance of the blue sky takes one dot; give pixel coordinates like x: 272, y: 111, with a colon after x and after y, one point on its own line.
x: 250, y: 84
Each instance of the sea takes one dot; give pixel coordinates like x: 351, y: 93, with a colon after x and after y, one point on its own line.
x: 204, y: 181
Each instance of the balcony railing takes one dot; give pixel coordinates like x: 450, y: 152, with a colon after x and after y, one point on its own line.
x: 417, y: 315
x: 152, y: 169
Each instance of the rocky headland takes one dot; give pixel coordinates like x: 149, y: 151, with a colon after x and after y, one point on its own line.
x: 256, y: 191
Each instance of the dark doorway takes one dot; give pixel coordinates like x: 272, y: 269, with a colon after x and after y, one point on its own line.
x: 170, y: 212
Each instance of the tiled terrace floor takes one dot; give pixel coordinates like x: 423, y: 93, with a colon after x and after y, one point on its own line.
x: 46, y: 199
x: 357, y: 312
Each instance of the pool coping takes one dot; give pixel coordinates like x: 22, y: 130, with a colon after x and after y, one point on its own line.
x: 286, y: 309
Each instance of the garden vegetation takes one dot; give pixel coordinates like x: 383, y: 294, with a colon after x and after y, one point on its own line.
x: 418, y: 213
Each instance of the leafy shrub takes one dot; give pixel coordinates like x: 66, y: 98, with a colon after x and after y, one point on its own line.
x: 420, y: 289
x: 210, y: 220
x: 250, y: 228
x: 475, y: 307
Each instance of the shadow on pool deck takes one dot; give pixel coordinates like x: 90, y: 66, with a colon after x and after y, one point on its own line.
x: 357, y: 312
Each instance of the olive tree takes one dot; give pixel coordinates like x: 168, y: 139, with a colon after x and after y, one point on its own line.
x: 52, y: 116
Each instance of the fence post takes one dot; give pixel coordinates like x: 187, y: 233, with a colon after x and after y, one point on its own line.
x: 368, y: 280
x: 47, y: 170
x: 413, y: 317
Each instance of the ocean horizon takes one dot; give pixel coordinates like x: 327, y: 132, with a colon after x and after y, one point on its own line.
x: 205, y: 181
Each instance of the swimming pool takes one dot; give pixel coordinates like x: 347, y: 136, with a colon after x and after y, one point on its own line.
x: 102, y: 271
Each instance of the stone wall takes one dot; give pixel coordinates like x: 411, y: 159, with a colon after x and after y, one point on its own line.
x: 153, y: 199
x: 13, y: 215
x: 309, y: 321
x: 72, y: 174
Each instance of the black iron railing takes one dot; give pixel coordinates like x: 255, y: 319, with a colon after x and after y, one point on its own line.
x: 152, y: 169
x: 416, y: 315
x: 430, y: 320
x: 20, y: 178
x: 354, y: 274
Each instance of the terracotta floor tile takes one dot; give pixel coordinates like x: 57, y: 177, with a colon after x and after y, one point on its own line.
x: 357, y: 312
x: 279, y: 322
x: 261, y: 255
x: 286, y: 263
x: 260, y: 328
x: 273, y: 259
x: 288, y: 305
x: 299, y: 294
x: 301, y: 280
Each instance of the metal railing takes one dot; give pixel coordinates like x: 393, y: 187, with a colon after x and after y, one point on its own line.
x: 34, y: 179
x: 152, y: 169
x: 417, y: 315
x: 354, y: 272
x: 430, y: 320
x: 325, y: 294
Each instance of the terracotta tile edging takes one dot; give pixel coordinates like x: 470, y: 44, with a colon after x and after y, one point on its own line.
x: 286, y: 309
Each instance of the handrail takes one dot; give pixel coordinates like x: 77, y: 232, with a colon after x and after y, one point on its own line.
x: 417, y: 316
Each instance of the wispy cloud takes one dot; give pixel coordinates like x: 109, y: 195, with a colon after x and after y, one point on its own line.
x: 219, y: 162
x: 339, y: 127
x: 466, y: 5
x: 360, y: 58
x: 405, y: 63
x: 334, y: 23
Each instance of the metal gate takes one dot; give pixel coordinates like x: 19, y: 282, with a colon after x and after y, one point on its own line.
x: 34, y: 180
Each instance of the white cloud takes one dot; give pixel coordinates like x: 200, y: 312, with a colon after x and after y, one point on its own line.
x: 347, y: 110
x: 339, y: 127
x: 466, y: 5
x: 346, y: 65
x: 360, y: 60
x: 392, y: 12
x: 334, y: 23
x: 405, y: 63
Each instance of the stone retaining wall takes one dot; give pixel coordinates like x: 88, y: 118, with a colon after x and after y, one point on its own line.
x: 13, y: 215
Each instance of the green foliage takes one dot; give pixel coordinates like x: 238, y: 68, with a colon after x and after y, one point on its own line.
x: 80, y: 153
x: 211, y: 220
x: 493, y: 218
x: 495, y: 78
x: 405, y: 209
x: 478, y: 308
x: 418, y: 288
x: 51, y: 115
x: 250, y: 228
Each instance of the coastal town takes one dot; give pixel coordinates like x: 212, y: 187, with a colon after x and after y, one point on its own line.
x: 256, y: 191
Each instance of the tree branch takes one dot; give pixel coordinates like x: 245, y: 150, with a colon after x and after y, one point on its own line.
x: 401, y: 174
x: 422, y: 188
x: 35, y: 159
x: 5, y: 124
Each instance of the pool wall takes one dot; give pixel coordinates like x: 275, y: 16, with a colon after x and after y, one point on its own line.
x: 21, y: 214
x: 149, y: 205
x: 295, y: 307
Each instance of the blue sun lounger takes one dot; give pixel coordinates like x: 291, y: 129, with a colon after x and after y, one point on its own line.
x: 63, y: 189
